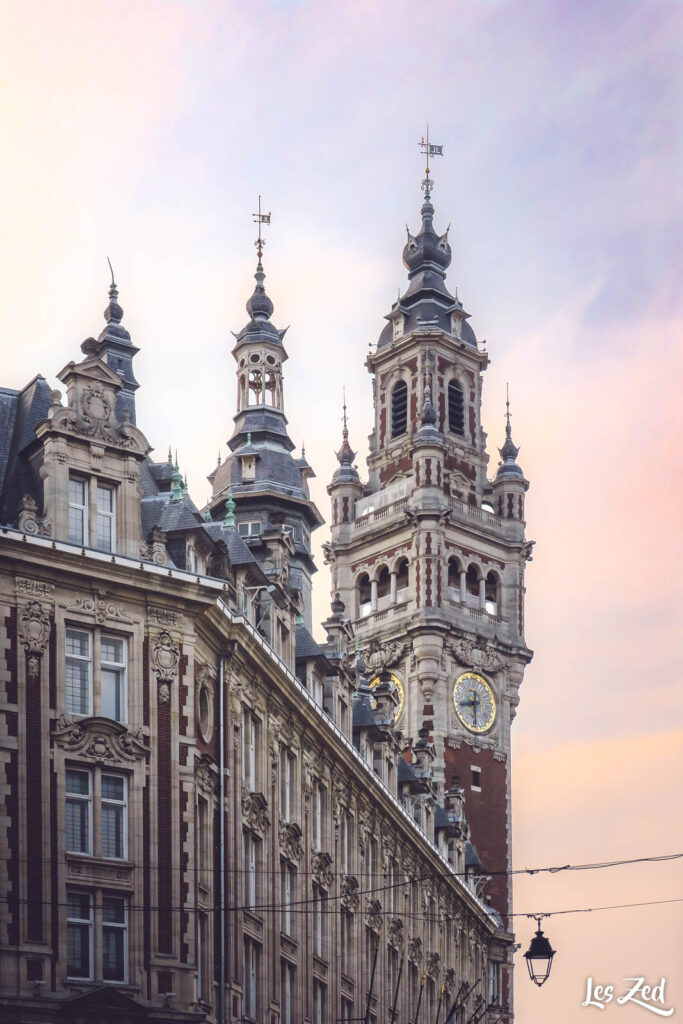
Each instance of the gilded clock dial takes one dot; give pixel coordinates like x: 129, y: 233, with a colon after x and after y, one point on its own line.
x: 401, y: 694
x: 475, y: 704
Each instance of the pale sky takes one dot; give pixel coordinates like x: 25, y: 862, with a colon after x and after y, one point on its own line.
x: 145, y: 131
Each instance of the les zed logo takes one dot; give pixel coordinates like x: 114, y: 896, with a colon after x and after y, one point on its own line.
x: 639, y: 993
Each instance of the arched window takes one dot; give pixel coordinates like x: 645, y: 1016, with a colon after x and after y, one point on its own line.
x: 492, y: 594
x: 454, y: 573
x: 364, y: 595
x: 456, y: 408
x: 399, y: 409
x: 402, y: 579
x: 472, y: 581
x: 255, y: 387
x: 383, y: 582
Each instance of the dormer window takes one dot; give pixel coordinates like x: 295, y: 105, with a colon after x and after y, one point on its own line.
x: 98, y: 522
x: 249, y: 529
x: 398, y: 327
x: 456, y: 326
x: 248, y: 468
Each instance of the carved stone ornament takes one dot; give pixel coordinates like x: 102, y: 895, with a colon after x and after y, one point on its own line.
x: 309, y: 773
x: 373, y: 915
x: 475, y: 654
x: 364, y: 828
x: 96, y: 410
x: 206, y: 779
x: 164, y: 693
x: 165, y: 657
x: 34, y: 631
x: 321, y: 869
x: 204, y: 701
x: 382, y: 655
x: 103, y: 608
x: 99, y: 739
x: 415, y: 950
x: 291, y: 845
x: 433, y: 965
x: 348, y: 890
x: 388, y: 850
x: 30, y: 522
x: 164, y: 616
x: 255, y: 811
x: 155, y: 551
x: 34, y: 588
x: 395, y: 935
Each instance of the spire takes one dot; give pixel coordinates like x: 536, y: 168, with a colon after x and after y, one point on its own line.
x: 229, y: 520
x: 345, y: 455
x: 176, y: 482
x: 509, y: 451
x: 116, y: 349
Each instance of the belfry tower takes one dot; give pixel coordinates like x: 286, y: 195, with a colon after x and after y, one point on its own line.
x: 428, y: 556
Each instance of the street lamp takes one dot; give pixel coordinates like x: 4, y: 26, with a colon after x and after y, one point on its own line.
x: 539, y: 957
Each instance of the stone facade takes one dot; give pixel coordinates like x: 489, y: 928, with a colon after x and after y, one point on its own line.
x: 205, y: 814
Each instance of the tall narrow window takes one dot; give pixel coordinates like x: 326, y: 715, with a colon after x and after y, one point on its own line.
x: 113, y: 678
x: 78, y: 674
x: 78, y: 811
x: 113, y: 816
x: 456, y: 408
x: 319, y: 816
x: 399, y: 408
x: 79, y: 935
x: 318, y: 896
x: 287, y: 989
x: 287, y: 895
x: 250, y: 862
x: 202, y: 838
x: 114, y: 939
x: 105, y: 538
x: 287, y: 770
x: 78, y: 511
x: 319, y: 1002
x: 202, y: 988
x: 250, y: 739
x: 250, y: 981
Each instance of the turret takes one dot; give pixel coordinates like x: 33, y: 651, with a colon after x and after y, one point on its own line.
x: 116, y: 349
x: 510, y: 485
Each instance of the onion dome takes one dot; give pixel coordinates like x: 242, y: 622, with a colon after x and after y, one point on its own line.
x: 347, y: 472
x: 427, y: 248
x: 260, y: 309
x: 509, y: 452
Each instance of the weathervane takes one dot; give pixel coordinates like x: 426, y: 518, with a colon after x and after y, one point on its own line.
x: 429, y: 149
x: 260, y: 218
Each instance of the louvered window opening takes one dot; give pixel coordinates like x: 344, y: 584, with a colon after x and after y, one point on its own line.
x: 399, y: 409
x: 456, y: 408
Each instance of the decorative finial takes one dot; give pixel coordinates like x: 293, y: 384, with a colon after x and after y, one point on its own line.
x: 229, y: 520
x: 428, y: 149
x: 508, y: 430
x: 249, y: 437
x: 185, y: 486
x: 303, y: 450
x: 509, y: 451
x: 219, y: 458
x: 260, y: 218
x: 345, y: 455
x: 170, y: 457
x: 113, y: 312
x: 207, y: 511
x: 176, y: 482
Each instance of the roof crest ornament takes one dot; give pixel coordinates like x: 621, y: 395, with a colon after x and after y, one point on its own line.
x: 345, y: 455
x: 260, y: 218
x: 428, y: 149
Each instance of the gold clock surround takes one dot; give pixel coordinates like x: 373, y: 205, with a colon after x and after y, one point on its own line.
x: 401, y: 694
x: 474, y: 684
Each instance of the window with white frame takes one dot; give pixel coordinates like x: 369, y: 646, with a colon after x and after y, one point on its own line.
x: 319, y: 796
x: 96, y: 813
x: 249, y: 529
x: 251, y: 851
x: 250, y: 746
x: 109, y: 962
x: 287, y: 990
x: 114, y: 938
x: 95, y: 674
x: 318, y: 897
x: 105, y: 523
x: 250, y: 980
x: 319, y: 1001
x: 287, y: 895
x: 96, y: 526
x: 287, y: 783
x: 79, y: 935
x: 78, y: 510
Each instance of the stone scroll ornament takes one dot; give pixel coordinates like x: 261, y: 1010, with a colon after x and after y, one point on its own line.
x: 34, y: 630
x: 165, y: 658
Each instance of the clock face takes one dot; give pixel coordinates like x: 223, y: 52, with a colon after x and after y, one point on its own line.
x: 474, y: 702
x: 401, y: 694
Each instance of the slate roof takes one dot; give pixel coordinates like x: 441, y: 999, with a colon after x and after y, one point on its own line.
x: 306, y: 646
x: 20, y: 413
